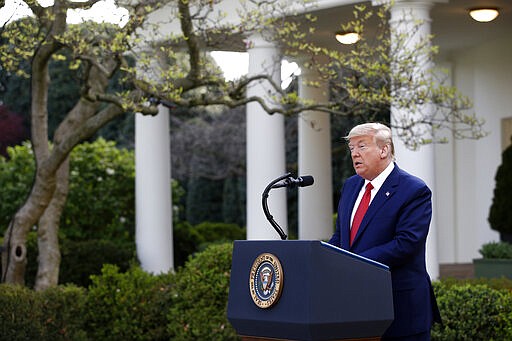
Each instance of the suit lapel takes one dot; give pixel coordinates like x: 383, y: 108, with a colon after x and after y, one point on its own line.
x: 385, y: 193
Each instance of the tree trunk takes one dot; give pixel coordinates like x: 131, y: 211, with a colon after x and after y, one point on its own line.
x: 48, y: 233
x: 14, y: 257
x: 89, y: 115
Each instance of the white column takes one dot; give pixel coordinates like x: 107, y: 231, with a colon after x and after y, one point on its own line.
x: 153, y: 192
x: 314, y: 147
x: 404, y: 16
x: 265, y: 145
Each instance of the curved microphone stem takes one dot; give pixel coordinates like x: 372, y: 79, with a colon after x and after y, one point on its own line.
x: 265, y: 206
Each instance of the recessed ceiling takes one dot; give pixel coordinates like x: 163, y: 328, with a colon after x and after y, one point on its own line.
x: 451, y: 24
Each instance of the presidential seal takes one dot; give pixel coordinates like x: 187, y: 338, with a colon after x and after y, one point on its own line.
x: 266, y: 280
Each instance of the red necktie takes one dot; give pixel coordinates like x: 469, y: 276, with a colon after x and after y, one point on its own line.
x: 361, y: 210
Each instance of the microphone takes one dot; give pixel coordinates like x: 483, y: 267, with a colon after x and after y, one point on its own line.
x: 283, y: 181
x: 301, y: 181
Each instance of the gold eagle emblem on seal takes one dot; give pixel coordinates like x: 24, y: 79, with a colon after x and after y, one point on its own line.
x: 266, y: 280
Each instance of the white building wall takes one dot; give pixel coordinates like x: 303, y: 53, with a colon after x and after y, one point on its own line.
x: 485, y: 75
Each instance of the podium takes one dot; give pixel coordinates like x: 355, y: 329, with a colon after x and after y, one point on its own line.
x: 307, y: 290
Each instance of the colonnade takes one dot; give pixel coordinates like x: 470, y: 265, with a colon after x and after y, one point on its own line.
x: 265, y: 161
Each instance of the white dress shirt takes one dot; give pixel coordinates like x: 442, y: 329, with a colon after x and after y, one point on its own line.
x: 376, y: 183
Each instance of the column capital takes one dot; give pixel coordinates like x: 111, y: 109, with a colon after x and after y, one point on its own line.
x: 409, y: 10
x: 258, y: 40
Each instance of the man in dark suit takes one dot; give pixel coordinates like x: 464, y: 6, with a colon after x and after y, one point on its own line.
x: 392, y: 229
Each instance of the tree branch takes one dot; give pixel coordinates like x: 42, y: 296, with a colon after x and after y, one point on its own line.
x: 190, y: 38
x: 81, y: 5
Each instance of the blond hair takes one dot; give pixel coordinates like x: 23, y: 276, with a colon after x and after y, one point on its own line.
x: 380, y: 132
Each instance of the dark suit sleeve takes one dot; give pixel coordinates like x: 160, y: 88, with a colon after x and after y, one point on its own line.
x: 335, y: 239
x: 411, y: 220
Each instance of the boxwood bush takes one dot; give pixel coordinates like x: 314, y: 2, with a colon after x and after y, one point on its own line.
x: 191, y: 305
x: 473, y: 312
x: 211, y: 232
x: 62, y: 310
x: 128, y: 306
x: 200, y: 296
x: 52, y: 315
x: 496, y: 250
x: 20, y: 315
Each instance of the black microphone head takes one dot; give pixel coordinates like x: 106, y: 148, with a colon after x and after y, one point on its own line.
x: 306, y: 180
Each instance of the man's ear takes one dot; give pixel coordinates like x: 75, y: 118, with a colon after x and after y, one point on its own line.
x: 384, y: 151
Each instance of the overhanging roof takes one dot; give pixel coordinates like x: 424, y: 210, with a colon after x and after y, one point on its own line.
x: 451, y: 25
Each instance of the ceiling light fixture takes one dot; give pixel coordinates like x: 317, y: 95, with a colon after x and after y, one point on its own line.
x: 484, y: 14
x: 347, y: 38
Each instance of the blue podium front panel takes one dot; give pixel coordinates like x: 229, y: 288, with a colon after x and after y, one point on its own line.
x: 325, y: 293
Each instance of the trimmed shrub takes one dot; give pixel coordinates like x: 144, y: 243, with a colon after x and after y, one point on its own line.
x: 19, y: 315
x: 135, y: 305
x: 473, y: 312
x: 127, y: 306
x: 200, y: 296
x: 62, y: 309
x: 496, y: 250
x: 502, y: 283
x: 51, y: 315
x: 218, y: 233
x: 500, y: 214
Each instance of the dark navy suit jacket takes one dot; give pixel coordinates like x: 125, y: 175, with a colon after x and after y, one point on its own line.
x: 394, y: 232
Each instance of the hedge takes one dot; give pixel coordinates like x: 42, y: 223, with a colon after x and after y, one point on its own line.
x: 191, y: 304
x: 473, y: 312
x: 128, y: 306
x: 51, y: 315
x: 200, y: 296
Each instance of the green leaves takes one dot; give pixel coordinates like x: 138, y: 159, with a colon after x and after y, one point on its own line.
x: 496, y: 250
x: 473, y: 312
x: 200, y: 297
x: 500, y: 213
x: 101, y: 175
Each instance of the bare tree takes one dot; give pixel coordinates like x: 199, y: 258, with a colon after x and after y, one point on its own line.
x: 211, y: 145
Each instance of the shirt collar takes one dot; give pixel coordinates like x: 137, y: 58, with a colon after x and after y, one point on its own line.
x: 379, y: 180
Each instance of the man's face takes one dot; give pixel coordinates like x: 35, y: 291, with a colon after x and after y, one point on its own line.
x: 368, y: 158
